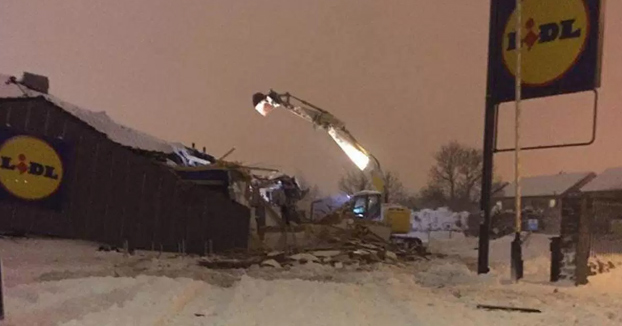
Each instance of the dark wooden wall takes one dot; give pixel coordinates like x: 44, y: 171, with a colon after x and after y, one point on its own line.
x: 115, y: 195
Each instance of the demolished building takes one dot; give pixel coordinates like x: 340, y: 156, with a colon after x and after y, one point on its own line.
x: 74, y: 173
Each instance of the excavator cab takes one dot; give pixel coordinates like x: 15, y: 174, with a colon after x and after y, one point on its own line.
x: 367, y: 205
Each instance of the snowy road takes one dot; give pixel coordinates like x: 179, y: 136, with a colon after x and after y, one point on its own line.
x: 437, y: 293
x: 164, y: 301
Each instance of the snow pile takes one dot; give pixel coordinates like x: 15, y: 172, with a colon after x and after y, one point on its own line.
x: 26, y: 260
x: 388, y: 298
x: 296, y: 302
x: 170, y: 291
x: 95, y: 301
x: 450, y: 274
x: 439, y: 219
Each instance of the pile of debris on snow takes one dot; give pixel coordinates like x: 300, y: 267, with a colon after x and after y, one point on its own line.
x: 599, y: 266
x: 341, y: 253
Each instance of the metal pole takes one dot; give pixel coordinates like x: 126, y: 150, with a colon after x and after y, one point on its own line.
x: 1, y: 292
x: 517, y: 264
x: 488, y: 146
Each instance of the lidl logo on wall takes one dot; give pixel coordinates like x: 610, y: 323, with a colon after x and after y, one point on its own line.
x: 560, y: 47
x: 32, y: 169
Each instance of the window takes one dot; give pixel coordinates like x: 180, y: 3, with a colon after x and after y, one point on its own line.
x: 359, y: 207
x: 374, y: 206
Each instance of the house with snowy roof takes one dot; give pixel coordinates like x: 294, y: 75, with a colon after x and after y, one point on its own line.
x: 543, y: 198
x: 71, y: 172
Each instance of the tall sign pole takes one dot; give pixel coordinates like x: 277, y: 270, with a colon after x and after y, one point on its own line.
x: 489, y: 143
x: 555, y: 50
x: 516, y: 247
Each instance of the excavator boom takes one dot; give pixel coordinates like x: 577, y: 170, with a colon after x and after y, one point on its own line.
x: 363, y: 159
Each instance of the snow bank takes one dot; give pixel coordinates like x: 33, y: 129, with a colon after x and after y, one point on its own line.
x: 296, y: 302
x: 174, y: 291
x: 26, y: 260
x: 439, y: 219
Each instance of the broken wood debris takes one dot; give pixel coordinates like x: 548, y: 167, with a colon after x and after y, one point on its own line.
x: 526, y: 310
x: 230, y: 262
x: 338, y: 254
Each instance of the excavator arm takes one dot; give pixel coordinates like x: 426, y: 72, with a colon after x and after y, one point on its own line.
x: 363, y: 159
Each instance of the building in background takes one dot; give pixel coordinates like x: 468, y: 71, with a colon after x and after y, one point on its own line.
x: 542, y: 199
x: 603, y: 197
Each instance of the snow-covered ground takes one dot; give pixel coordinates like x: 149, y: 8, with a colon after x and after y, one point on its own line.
x: 57, y: 282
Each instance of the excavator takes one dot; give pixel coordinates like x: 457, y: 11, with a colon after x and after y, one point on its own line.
x: 371, y: 207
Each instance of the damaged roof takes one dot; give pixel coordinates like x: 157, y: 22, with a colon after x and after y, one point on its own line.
x: 115, y: 131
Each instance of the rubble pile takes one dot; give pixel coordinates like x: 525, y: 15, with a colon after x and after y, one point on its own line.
x: 598, y: 266
x: 335, y: 251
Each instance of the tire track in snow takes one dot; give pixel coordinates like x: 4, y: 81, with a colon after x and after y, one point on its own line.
x: 142, y: 308
x: 206, y: 308
x: 49, y: 310
x: 180, y: 302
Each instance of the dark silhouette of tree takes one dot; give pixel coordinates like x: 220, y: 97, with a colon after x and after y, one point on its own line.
x: 455, y: 179
x: 355, y: 181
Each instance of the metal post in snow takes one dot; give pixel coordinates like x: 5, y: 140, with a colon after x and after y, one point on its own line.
x: 126, y: 248
x: 1, y: 292
x: 488, y: 145
x: 516, y: 250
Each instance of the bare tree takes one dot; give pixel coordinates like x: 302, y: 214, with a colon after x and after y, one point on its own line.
x: 431, y: 197
x: 394, y: 188
x: 470, y: 171
x: 353, y: 182
x: 456, y: 176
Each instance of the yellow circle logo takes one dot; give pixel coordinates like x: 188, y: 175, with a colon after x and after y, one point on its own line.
x: 29, y: 168
x: 553, y: 36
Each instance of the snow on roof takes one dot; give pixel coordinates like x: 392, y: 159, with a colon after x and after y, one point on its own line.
x: 611, y: 179
x: 99, y: 120
x: 546, y: 185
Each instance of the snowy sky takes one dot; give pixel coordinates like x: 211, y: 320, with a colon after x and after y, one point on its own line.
x: 405, y: 76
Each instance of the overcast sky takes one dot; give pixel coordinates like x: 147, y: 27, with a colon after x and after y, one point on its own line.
x: 406, y: 77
